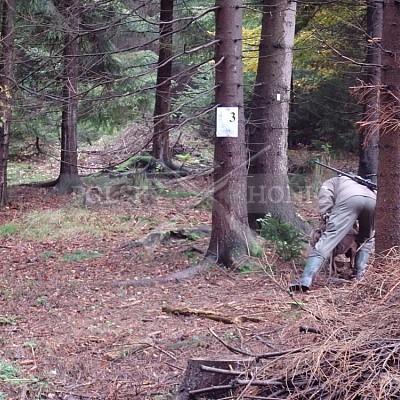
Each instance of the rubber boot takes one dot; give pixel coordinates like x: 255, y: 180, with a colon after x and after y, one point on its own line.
x: 361, y: 261
x: 313, y: 265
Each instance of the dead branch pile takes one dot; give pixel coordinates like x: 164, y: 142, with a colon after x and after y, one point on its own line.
x: 383, y: 119
x: 357, y: 349
x: 130, y: 142
x: 361, y: 367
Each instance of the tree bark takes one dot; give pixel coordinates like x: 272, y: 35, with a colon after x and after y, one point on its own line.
x: 6, y: 84
x: 268, y: 182
x: 161, y: 150
x: 231, y: 236
x: 388, y: 206
x: 369, y: 132
x: 68, y: 179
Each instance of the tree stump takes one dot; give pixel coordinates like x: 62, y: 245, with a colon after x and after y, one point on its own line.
x: 210, y: 378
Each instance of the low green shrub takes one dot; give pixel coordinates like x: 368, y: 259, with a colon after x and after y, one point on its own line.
x: 288, y: 240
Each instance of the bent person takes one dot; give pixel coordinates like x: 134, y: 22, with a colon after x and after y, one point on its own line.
x: 342, y: 201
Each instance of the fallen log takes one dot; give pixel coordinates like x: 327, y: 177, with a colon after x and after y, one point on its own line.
x: 178, y: 276
x: 209, y: 314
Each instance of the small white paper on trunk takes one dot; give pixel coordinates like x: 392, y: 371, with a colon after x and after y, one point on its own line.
x: 227, y: 121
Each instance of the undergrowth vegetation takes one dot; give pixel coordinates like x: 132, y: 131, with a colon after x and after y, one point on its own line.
x: 68, y: 223
x: 19, y: 172
x: 288, y: 240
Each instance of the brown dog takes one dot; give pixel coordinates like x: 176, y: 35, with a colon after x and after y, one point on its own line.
x: 347, y: 246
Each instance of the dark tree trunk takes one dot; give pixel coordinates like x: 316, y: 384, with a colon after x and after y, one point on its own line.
x: 68, y: 179
x: 369, y: 132
x: 388, y: 203
x: 268, y: 182
x: 231, y: 236
x: 161, y: 150
x: 6, y: 83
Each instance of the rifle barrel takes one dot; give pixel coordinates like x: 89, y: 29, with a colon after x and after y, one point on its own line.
x: 362, y: 181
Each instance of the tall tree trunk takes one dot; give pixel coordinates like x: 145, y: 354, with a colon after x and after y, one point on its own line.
x: 369, y: 133
x: 231, y: 236
x: 6, y: 83
x: 268, y: 182
x: 68, y: 179
x: 388, y: 203
x: 161, y: 150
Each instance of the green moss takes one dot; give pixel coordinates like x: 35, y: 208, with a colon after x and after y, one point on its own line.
x: 138, y: 162
x: 256, y: 250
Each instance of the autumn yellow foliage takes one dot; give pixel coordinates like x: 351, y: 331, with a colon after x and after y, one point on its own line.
x: 251, y: 39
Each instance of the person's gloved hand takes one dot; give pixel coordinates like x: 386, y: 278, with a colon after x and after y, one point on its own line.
x: 324, y: 217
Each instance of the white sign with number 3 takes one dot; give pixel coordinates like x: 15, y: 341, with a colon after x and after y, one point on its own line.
x: 227, y: 121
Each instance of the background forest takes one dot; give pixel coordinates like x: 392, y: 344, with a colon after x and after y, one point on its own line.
x: 117, y: 53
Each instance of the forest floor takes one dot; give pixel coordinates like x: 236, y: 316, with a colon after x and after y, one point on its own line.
x: 70, y: 329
